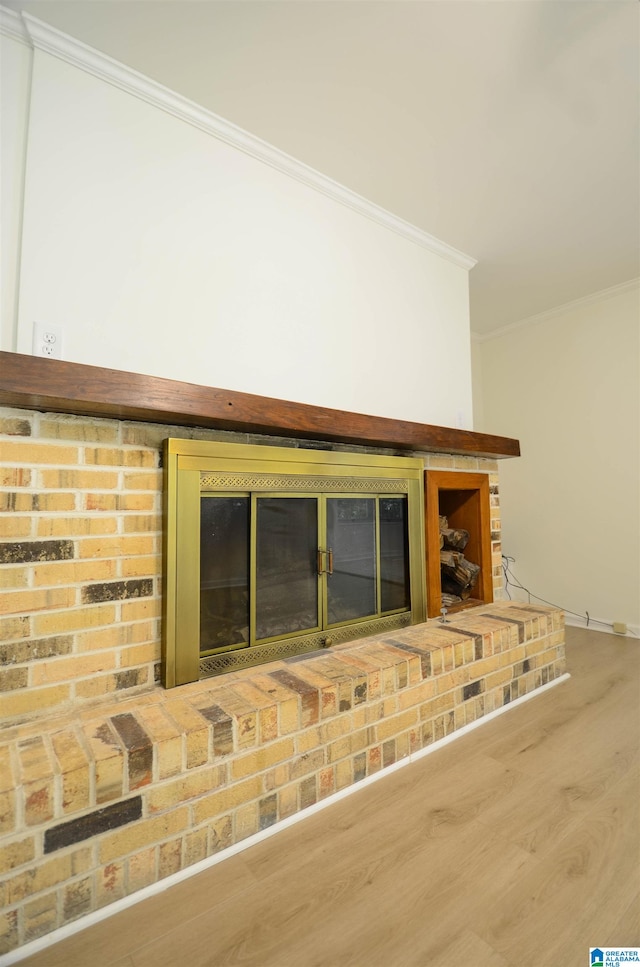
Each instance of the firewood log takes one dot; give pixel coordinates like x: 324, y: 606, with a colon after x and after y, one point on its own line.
x: 460, y: 575
x: 448, y: 600
x: 450, y: 558
x: 455, y: 538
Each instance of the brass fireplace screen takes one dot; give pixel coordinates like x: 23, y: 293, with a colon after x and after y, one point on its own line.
x: 272, y: 552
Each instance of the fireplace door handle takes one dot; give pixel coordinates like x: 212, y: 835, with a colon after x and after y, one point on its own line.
x: 329, y: 562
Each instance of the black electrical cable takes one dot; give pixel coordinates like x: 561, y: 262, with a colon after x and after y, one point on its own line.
x: 506, y: 570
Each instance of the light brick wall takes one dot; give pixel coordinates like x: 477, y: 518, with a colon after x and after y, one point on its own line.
x: 80, y: 562
x: 107, y: 781
x: 81, y: 556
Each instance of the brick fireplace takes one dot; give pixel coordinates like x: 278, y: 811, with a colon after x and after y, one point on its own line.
x: 108, y: 782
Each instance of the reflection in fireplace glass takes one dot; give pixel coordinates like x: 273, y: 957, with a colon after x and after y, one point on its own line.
x: 224, y: 572
x: 351, y: 533
x: 394, y: 554
x: 274, y: 566
x: 286, y: 569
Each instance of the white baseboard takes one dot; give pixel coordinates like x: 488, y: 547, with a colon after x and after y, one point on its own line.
x: 574, y: 620
x: 27, y: 950
x: 597, y: 624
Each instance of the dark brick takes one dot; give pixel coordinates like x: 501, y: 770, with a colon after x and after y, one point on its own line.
x: 477, y: 639
x: 521, y: 668
x: 222, y: 728
x: 77, y: 899
x: 28, y: 552
x: 13, y: 678
x: 268, y: 811
x: 425, y: 656
x: 359, y: 766
x: 139, y: 748
x: 472, y: 689
x: 402, y: 674
x: 308, y: 794
x: 130, y: 678
x: 308, y: 694
x: 117, y: 591
x: 223, y: 738
x: 16, y: 427
x: 26, y: 651
x: 360, y: 693
x: 508, y: 621
x: 388, y: 752
x: 105, y: 734
x: 99, y: 821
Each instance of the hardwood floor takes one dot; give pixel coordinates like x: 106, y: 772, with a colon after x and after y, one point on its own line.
x: 515, y: 846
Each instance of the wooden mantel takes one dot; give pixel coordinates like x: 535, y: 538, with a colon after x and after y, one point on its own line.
x: 52, y: 385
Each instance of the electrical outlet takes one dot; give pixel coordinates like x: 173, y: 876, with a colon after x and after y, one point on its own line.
x: 47, y: 340
x: 619, y: 628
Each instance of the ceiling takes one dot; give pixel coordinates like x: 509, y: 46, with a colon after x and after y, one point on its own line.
x: 509, y: 129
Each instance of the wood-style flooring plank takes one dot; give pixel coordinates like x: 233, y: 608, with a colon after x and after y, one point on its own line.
x: 467, y: 949
x: 627, y: 929
x: 106, y: 942
x: 574, y: 891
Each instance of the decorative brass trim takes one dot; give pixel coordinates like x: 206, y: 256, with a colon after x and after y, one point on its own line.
x: 278, y: 650
x: 306, y: 484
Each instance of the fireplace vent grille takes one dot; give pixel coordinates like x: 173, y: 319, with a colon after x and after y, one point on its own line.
x: 276, y: 651
x: 301, y: 484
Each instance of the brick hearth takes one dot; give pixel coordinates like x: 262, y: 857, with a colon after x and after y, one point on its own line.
x: 101, y: 803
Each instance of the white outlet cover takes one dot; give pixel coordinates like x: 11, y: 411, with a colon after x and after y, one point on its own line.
x: 47, y: 340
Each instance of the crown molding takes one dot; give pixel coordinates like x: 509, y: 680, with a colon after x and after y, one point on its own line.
x: 587, y: 300
x: 46, y: 38
x: 12, y: 25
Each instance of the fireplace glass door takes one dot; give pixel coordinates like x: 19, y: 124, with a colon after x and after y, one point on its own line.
x: 370, y: 554
x: 286, y: 576
x: 273, y: 566
x: 274, y: 552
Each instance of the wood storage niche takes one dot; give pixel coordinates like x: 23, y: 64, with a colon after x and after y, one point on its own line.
x: 462, y: 499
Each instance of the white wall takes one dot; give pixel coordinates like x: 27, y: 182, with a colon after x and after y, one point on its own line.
x: 477, y: 382
x: 15, y: 78
x: 163, y: 250
x: 568, y: 386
